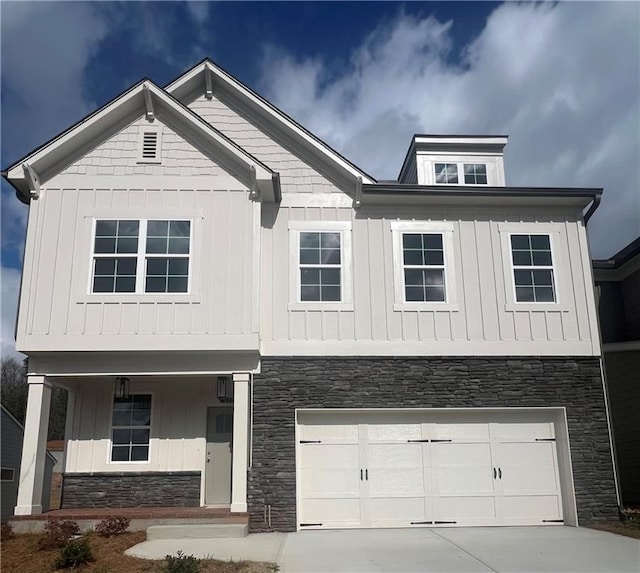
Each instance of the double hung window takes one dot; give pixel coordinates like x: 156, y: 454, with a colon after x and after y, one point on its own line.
x: 532, y: 268
x: 131, y: 428
x: 141, y: 256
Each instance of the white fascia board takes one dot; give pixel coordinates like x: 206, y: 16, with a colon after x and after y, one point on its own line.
x: 498, y: 140
x: 47, y: 160
x: 185, y: 85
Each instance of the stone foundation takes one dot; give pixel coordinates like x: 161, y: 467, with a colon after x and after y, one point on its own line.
x: 131, y: 489
x: 285, y: 384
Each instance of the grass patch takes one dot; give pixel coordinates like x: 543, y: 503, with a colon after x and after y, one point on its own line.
x: 21, y: 555
x: 626, y: 528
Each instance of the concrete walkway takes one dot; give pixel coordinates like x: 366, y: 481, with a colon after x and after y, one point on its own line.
x: 461, y: 550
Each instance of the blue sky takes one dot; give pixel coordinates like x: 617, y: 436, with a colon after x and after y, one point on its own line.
x: 562, y: 79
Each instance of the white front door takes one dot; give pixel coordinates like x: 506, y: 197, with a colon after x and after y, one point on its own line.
x: 218, y: 463
x: 406, y: 470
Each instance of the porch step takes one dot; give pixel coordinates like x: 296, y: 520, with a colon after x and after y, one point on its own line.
x: 197, y: 531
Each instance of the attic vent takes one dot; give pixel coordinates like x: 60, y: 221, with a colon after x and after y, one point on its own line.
x: 150, y: 145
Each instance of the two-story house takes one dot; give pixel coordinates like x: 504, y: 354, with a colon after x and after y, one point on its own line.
x: 244, y: 318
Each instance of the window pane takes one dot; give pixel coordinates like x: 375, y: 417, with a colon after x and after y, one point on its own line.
x: 432, y: 241
x: 309, y: 240
x: 127, y: 245
x: 156, y: 267
x: 433, y: 258
x: 540, y: 242
x: 103, y: 284
x: 520, y: 242
x: 106, y: 228
x: 413, y: 257
x: 122, y: 418
x: 330, y: 277
x: 310, y: 276
x: 104, y: 267
x: 481, y: 179
x: 140, y: 436
x: 413, y: 277
x: 125, y: 284
x: 121, y: 436
x: 177, y: 284
x: 179, y: 228
x: 433, y: 277
x: 414, y: 294
x: 524, y: 294
x: 128, y: 228
x: 179, y: 267
x: 179, y: 246
x: 309, y: 256
x: 141, y: 401
x: 330, y: 257
x: 157, y: 228
x: 411, y: 241
x: 120, y: 454
x: 139, y: 453
x: 523, y: 278
x: 522, y: 258
x: 435, y: 294
x: 310, y: 293
x: 544, y: 294
x: 330, y: 293
x: 126, y: 266
x: 542, y: 278
x: 157, y: 245
x: 105, y: 245
x: 330, y: 240
x: 542, y: 258
x: 156, y: 284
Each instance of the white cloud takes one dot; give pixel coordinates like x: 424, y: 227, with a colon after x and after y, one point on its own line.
x: 563, y: 80
x: 10, y: 281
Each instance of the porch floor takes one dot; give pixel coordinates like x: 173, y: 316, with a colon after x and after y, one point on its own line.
x: 219, y: 514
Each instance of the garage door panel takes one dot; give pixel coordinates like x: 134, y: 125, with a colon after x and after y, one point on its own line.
x: 461, y: 432
x: 398, y: 482
x: 526, y: 454
x: 529, y: 481
x: 530, y: 509
x: 330, y: 432
x: 527, y: 431
x: 470, y: 481
x: 394, y: 432
x: 462, y: 455
x: 332, y: 513
x: 467, y: 510
x: 388, y: 512
x: 329, y: 470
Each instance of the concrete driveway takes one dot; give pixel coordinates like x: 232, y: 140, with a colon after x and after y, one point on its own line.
x: 463, y: 550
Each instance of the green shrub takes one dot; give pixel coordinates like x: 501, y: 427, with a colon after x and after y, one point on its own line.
x: 115, y: 525
x: 57, y: 533
x: 75, y: 553
x: 182, y: 563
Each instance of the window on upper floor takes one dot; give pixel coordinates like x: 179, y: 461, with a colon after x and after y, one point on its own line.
x: 141, y: 256
x: 533, y: 272
x: 7, y: 474
x: 447, y: 173
x: 131, y: 428
x: 321, y: 261
x: 423, y: 264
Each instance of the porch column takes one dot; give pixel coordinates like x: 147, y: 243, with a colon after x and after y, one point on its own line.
x: 240, y: 442
x: 34, y: 447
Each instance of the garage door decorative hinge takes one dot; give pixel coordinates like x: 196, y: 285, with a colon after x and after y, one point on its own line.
x: 443, y: 522
x: 545, y: 439
x: 310, y: 524
x: 553, y: 521
x: 432, y: 441
x: 421, y: 522
x: 310, y: 441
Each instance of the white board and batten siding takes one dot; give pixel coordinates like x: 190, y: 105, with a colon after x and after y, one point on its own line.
x: 57, y: 309
x: 416, y: 468
x: 479, y: 319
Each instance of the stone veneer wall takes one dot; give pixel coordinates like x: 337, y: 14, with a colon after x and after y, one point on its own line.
x: 289, y: 383
x: 131, y: 489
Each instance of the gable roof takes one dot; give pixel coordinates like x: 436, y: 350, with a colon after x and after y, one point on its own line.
x: 11, y: 417
x: 207, y: 76
x: 44, y: 162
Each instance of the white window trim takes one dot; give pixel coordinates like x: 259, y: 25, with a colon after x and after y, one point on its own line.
x: 553, y: 232
x: 157, y: 129
x: 460, y: 168
x: 140, y: 257
x: 128, y: 463
x: 346, y: 264
x: 398, y: 228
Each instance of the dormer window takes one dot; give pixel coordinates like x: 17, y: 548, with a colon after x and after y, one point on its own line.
x: 149, y: 146
x: 475, y: 174
x: 447, y: 173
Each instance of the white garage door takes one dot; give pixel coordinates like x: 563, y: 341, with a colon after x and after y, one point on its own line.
x: 411, y: 469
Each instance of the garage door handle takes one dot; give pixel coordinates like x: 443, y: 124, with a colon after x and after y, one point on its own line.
x: 366, y: 475
x: 360, y: 475
x: 500, y: 473
x: 495, y: 474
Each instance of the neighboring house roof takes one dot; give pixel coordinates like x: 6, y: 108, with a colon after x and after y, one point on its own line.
x: 21, y: 427
x: 207, y: 76
x: 46, y: 161
x: 622, y: 257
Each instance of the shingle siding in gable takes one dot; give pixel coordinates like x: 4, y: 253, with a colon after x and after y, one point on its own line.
x: 296, y: 176
x: 120, y: 155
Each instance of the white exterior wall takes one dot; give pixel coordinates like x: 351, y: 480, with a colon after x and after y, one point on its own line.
x: 178, y: 425
x: 482, y: 319
x: 57, y: 310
